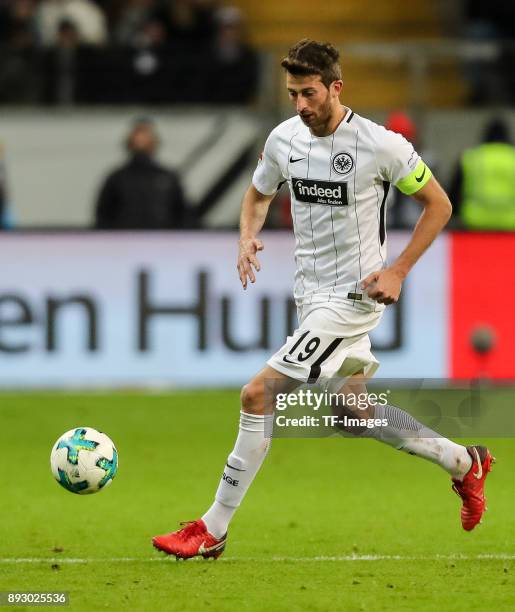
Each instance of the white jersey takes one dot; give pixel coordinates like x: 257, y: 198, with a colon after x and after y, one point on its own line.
x: 338, y: 185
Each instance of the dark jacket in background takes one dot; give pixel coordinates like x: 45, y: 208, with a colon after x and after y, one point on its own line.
x: 142, y: 194
x: 2, y: 202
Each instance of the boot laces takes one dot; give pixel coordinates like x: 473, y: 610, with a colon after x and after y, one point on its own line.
x: 189, y: 529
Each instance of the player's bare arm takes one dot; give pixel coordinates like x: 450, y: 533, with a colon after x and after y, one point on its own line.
x: 385, y: 285
x: 254, y: 209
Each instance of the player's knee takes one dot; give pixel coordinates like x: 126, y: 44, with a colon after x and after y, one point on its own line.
x: 252, y: 398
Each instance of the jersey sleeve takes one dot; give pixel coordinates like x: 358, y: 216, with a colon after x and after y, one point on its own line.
x: 267, y: 176
x: 399, y: 163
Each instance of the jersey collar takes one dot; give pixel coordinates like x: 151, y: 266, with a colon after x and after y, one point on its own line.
x: 347, y: 118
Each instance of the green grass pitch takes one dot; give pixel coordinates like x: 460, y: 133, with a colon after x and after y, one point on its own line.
x: 329, y: 524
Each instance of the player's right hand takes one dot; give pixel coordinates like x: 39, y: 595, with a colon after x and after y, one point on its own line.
x: 247, y: 259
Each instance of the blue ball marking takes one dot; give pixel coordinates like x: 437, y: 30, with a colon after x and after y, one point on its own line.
x: 76, y: 443
x: 110, y: 468
x: 74, y: 487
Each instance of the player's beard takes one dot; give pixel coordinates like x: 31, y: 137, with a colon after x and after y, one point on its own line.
x: 319, y: 120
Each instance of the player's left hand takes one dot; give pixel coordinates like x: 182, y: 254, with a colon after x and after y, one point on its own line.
x: 384, y: 286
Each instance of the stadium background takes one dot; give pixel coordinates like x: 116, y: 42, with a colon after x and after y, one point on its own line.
x: 133, y: 311
x: 447, y: 66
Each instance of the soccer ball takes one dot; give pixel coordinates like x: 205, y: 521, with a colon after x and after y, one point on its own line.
x: 84, y: 460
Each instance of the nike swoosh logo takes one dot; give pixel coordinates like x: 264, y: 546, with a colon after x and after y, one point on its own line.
x: 420, y: 179
x: 202, y: 550
x: 292, y: 161
x: 285, y: 358
x: 233, y: 468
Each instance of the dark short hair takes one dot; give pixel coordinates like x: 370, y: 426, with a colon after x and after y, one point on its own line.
x: 497, y: 130
x: 309, y: 57
x: 138, y: 123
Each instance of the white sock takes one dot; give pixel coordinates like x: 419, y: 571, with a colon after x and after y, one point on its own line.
x: 242, y: 465
x: 403, y: 432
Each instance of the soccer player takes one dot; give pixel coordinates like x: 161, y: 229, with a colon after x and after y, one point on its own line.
x: 339, y: 167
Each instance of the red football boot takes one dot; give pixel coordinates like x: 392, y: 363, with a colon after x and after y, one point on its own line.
x: 472, y: 488
x: 191, y: 541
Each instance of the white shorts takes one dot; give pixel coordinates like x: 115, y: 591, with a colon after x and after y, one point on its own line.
x: 331, y: 342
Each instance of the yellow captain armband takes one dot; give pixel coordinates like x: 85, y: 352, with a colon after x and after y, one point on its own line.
x: 415, y: 180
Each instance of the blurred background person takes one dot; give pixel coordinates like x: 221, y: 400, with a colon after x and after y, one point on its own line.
x: 190, y: 21
x: 142, y: 194
x: 19, y: 78
x: 403, y: 211
x: 233, y: 70
x: 483, y: 187
x: 89, y: 19
x: 491, y: 79
x: 16, y: 13
x: 148, y: 65
x: 128, y: 17
x: 62, y: 65
x: 75, y: 72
